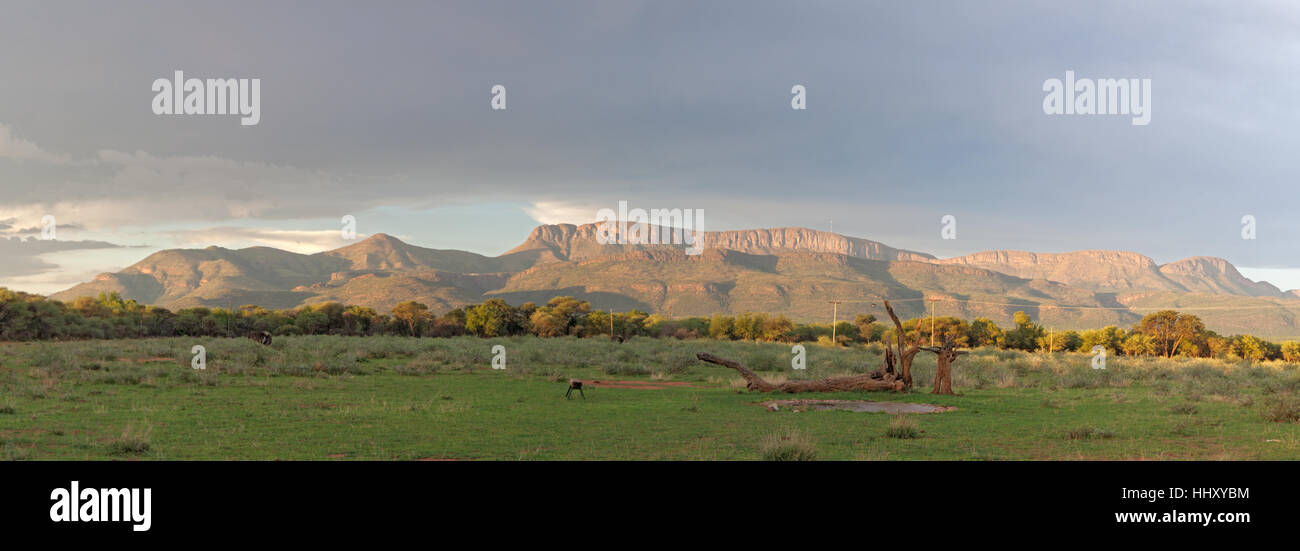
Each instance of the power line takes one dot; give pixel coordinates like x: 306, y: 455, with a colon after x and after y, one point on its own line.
x: 1064, y: 307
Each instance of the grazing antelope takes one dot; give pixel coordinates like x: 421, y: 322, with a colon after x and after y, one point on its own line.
x: 575, y: 384
x: 261, y: 336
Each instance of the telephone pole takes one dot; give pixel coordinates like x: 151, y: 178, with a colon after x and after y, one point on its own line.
x: 932, y: 301
x: 835, y: 316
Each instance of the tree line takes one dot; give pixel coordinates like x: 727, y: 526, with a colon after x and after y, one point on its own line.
x: 1165, y: 333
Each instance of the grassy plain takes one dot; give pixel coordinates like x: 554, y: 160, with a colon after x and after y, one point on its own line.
x: 392, y: 398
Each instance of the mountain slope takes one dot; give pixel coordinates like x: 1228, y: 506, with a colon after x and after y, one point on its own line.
x: 570, y: 242
x: 1096, y: 270
x: 1207, y: 274
x: 793, y: 271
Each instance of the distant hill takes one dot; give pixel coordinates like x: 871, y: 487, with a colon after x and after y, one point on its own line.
x: 1119, y: 271
x: 794, y: 271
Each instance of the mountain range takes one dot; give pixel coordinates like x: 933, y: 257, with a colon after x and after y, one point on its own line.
x: 794, y: 271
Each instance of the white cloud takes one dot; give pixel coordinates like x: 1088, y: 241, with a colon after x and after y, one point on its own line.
x: 561, y: 212
x: 299, y: 241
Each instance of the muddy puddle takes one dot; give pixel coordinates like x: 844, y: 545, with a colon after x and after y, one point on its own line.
x: 854, y: 405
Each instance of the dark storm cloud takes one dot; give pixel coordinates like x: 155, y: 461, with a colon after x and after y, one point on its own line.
x: 915, y: 111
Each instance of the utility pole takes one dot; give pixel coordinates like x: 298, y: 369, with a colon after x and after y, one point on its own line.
x: 611, y: 322
x: 835, y: 316
x: 1051, y: 339
x: 932, y: 301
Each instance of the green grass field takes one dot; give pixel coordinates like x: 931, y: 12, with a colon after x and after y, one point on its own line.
x: 389, y: 398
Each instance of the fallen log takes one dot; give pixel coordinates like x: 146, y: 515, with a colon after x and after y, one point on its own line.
x: 867, y: 382
x: 895, y: 372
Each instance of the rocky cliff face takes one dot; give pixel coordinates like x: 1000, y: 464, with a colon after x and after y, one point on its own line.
x: 775, y: 240
x: 570, y: 242
x: 779, y: 270
x: 1094, y: 270
x: 1207, y: 274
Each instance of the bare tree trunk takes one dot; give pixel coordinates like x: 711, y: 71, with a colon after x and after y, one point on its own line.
x: 943, y: 371
x: 905, y: 353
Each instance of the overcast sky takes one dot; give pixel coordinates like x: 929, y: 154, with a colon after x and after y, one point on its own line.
x: 916, y: 110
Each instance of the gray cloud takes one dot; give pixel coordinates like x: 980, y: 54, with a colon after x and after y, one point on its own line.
x: 915, y: 111
x: 23, y: 256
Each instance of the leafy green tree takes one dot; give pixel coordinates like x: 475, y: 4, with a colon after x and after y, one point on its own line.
x: 357, y: 320
x: 722, y: 327
x: 865, y: 325
x: 570, y: 309
x: 1138, y: 344
x: 494, y: 318
x: 411, y: 313
x: 1291, y: 351
x: 749, y: 326
x: 1250, y: 347
x: 1060, y: 342
x: 548, y: 323
x: 456, y: 316
x: 560, y: 316
x: 630, y: 323
x: 983, y: 332
x: 1109, y: 337
x: 779, y: 328
x: 312, y: 322
x: 1168, y: 329
x: 1026, y: 334
x: 333, y: 312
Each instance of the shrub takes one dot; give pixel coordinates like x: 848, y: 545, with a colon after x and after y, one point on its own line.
x: 132, y: 442
x: 11, y: 452
x: 791, y: 446
x: 903, y: 427
x: 287, y: 330
x: 1088, y: 433
x: 1281, y: 408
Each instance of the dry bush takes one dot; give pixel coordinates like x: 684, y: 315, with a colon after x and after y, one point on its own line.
x: 903, y: 427
x: 791, y: 446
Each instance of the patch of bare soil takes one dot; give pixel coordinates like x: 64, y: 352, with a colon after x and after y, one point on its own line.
x: 854, y: 405
x: 643, y: 385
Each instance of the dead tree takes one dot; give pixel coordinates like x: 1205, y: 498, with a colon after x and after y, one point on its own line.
x: 869, y: 381
x: 895, y: 371
x: 943, y: 370
x: 905, y: 354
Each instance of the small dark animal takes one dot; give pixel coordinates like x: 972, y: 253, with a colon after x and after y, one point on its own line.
x: 261, y: 337
x: 617, y: 338
x: 575, y: 384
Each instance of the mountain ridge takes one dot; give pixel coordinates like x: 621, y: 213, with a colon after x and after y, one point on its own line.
x: 779, y: 270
